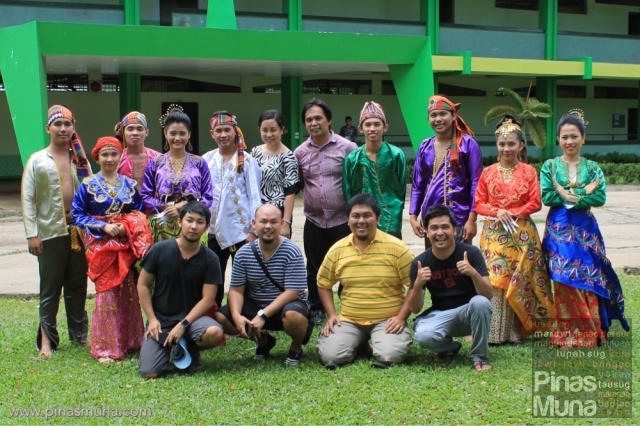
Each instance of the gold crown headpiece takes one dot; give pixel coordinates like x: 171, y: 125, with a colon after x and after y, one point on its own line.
x: 172, y: 108
x: 580, y: 114
x: 508, y: 127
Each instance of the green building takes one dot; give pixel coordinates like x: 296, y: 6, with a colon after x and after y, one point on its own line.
x: 103, y: 58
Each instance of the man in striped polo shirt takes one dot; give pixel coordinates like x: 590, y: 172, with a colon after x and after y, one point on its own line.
x: 374, y: 269
x: 271, y: 302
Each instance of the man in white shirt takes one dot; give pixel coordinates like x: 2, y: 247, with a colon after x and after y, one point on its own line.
x: 235, y: 180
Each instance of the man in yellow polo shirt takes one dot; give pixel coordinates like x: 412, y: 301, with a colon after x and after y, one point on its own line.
x: 374, y: 270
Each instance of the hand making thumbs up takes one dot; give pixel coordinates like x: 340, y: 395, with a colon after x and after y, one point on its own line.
x: 424, y: 275
x: 464, y: 266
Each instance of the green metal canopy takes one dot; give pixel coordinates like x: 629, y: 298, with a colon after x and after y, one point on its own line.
x: 28, y: 52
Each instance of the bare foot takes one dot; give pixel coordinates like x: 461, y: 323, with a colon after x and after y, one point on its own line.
x: 105, y: 359
x: 45, y: 345
x: 468, y: 339
x: 87, y: 343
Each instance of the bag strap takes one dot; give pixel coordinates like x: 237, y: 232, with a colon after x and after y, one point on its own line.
x: 254, y: 249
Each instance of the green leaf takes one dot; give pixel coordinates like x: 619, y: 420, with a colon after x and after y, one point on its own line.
x: 539, y: 109
x: 537, y: 132
x: 517, y: 99
x: 498, y: 112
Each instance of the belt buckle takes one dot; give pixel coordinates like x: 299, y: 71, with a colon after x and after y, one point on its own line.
x: 232, y: 249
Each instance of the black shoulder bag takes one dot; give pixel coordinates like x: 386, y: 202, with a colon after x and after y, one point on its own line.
x: 254, y: 249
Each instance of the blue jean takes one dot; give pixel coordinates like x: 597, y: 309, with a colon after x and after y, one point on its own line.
x: 436, y: 330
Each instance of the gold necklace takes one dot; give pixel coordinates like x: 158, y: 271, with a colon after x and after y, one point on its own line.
x: 507, y: 172
x: 111, y: 186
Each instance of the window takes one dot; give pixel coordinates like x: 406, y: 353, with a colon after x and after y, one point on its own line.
x: 68, y: 83
x: 612, y: 92
x: 388, y: 87
x: 110, y: 83
x: 324, y: 87
x: 447, y: 9
x: 634, y: 23
x: 635, y: 3
x: 451, y: 90
x: 174, y: 84
x: 566, y: 91
x: 271, y: 88
x: 564, y: 6
x: 337, y: 87
x: 167, y: 6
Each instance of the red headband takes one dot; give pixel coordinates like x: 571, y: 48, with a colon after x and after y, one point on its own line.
x: 107, y: 142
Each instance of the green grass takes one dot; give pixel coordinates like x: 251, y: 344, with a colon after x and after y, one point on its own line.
x: 234, y: 389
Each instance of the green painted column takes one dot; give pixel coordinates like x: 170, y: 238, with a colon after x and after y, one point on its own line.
x: 292, y: 86
x: 130, y: 85
x: 131, y: 11
x: 545, y: 86
x: 414, y: 86
x: 25, y: 80
x: 638, y: 115
x: 548, y: 21
x: 221, y: 14
x: 293, y: 9
x: 130, y: 93
x: 430, y: 15
x: 546, y: 92
x: 291, y: 109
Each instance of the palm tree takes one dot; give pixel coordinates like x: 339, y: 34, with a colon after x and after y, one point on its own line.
x: 528, y: 112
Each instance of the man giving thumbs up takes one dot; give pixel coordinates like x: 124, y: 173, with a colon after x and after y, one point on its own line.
x: 457, y: 279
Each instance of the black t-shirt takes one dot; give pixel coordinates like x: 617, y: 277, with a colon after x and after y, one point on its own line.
x: 448, y: 287
x: 179, y: 281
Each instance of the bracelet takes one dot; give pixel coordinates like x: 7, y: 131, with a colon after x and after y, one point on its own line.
x: 287, y: 221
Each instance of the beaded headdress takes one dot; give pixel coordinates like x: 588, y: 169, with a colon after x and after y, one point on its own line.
x: 172, y: 108
x: 508, y: 127
x: 580, y: 114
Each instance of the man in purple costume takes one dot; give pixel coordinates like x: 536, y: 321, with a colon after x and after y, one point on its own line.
x: 446, y: 171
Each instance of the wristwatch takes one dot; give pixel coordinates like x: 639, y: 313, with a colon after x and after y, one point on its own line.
x: 185, y: 323
x: 262, y: 314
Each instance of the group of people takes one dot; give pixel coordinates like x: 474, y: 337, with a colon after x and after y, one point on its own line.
x: 157, y: 230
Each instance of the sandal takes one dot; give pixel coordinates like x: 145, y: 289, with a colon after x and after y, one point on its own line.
x: 481, y: 366
x: 448, y: 355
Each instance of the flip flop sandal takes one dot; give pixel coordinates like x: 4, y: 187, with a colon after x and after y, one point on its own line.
x: 481, y: 366
x: 449, y: 355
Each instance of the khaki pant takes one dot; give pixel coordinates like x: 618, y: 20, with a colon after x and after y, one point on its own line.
x: 340, y: 346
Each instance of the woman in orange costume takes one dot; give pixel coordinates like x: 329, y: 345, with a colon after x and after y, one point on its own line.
x: 507, y: 194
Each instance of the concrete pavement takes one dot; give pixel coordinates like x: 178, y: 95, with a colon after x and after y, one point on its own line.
x: 619, y: 222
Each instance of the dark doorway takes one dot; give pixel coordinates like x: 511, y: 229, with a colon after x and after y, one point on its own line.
x: 191, y: 109
x: 447, y: 8
x: 634, y: 23
x: 167, y: 6
x: 632, y: 126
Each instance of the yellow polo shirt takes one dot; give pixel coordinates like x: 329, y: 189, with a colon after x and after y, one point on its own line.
x: 374, y: 280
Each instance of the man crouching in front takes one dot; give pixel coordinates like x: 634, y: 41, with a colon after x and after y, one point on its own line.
x: 186, y: 278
